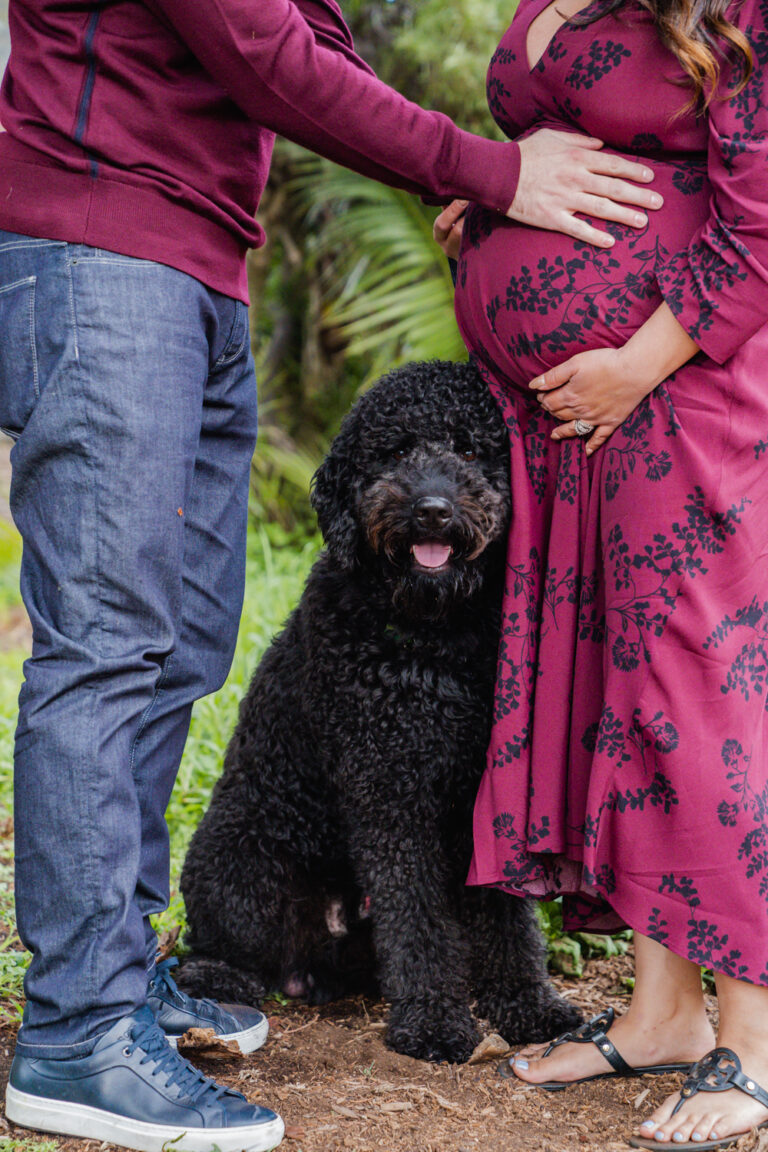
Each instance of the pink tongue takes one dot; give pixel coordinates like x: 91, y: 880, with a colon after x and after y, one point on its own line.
x: 432, y: 554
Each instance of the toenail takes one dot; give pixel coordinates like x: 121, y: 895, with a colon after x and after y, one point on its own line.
x: 648, y: 1124
x: 520, y: 1063
x: 678, y: 1137
x: 696, y: 1136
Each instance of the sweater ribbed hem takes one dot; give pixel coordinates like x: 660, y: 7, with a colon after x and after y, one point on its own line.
x: 43, y: 199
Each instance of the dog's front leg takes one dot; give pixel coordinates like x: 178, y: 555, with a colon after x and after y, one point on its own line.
x: 509, y: 969
x: 423, y: 962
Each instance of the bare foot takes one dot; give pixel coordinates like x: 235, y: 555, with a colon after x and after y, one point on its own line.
x: 709, y: 1115
x: 681, y: 1037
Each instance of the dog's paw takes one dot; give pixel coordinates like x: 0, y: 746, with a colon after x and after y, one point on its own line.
x: 447, y: 1038
x: 535, y: 1015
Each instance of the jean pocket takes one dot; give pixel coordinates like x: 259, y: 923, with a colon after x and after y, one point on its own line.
x: 238, y: 335
x: 19, y: 378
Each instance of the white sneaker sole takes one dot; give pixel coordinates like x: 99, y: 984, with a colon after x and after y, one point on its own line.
x: 67, y: 1119
x: 247, y: 1041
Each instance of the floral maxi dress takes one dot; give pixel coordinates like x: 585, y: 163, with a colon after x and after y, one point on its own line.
x: 628, y: 765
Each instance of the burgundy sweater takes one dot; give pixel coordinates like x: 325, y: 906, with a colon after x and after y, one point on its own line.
x: 146, y: 126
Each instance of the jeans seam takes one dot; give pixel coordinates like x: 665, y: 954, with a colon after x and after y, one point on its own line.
x: 85, y: 1046
x: 32, y: 242
x: 159, y: 686
x: 18, y: 284
x: 73, y: 312
x: 91, y: 824
x: 33, y: 342
x: 123, y: 261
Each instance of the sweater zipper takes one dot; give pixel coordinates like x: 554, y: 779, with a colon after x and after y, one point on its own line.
x: 90, y: 77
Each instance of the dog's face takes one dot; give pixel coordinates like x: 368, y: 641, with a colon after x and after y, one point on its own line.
x: 416, y: 485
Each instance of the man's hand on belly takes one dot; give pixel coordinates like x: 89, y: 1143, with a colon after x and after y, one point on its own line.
x: 563, y: 173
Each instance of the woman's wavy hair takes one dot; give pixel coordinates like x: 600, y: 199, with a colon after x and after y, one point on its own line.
x: 701, y: 38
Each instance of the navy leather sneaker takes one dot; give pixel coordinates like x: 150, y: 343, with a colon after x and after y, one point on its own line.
x: 137, y: 1091
x: 176, y: 1013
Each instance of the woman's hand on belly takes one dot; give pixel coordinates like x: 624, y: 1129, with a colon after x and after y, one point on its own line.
x: 603, y: 386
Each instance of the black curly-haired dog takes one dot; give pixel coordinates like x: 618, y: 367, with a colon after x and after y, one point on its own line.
x: 337, y: 842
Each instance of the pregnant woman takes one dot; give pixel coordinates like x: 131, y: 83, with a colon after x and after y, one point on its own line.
x: 628, y: 768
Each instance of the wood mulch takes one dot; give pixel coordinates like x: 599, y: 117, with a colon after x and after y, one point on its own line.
x: 337, y: 1087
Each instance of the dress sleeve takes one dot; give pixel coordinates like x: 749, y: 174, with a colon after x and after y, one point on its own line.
x: 291, y: 67
x: 718, y: 287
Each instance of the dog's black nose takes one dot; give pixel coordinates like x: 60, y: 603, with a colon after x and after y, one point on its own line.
x: 432, y: 513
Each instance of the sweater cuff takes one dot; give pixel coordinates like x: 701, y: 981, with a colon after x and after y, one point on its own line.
x: 488, y: 172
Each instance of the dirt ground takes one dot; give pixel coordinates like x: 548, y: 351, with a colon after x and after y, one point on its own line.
x: 338, y: 1088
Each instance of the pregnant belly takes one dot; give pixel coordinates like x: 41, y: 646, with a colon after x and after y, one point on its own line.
x: 528, y: 299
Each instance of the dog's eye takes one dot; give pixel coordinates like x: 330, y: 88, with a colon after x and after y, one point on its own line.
x: 468, y: 454
x: 399, y: 453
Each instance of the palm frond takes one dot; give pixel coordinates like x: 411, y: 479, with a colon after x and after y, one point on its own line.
x: 386, y: 285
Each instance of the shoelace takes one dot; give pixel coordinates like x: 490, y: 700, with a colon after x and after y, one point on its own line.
x: 150, y: 1039
x: 164, y: 982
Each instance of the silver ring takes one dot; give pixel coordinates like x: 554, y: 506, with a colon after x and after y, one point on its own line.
x: 581, y: 428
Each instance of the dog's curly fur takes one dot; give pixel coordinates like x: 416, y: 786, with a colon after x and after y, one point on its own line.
x: 337, y: 842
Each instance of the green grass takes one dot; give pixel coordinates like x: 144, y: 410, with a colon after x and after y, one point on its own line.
x: 10, y: 662
x: 10, y: 1144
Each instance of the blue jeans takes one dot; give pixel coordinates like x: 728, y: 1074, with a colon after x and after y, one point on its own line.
x: 129, y: 389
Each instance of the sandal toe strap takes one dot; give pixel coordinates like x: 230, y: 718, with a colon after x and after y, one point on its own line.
x: 594, y: 1032
x: 719, y: 1071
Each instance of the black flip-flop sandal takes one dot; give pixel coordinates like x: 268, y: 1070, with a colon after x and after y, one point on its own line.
x: 718, y: 1071
x: 593, y: 1032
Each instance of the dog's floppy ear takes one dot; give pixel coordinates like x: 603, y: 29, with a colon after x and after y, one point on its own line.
x: 333, y: 498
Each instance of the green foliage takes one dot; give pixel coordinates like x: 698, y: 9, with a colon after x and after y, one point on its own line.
x: 435, y: 53
x: 13, y: 961
x: 10, y: 561
x: 387, y: 291
x: 10, y: 680
x: 10, y: 661
x: 568, y: 951
x: 448, y: 47
x: 28, y: 1144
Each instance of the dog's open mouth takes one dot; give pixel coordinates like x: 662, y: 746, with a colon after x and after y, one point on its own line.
x: 431, y: 555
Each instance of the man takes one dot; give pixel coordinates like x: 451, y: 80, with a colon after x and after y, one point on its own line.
x: 137, y: 144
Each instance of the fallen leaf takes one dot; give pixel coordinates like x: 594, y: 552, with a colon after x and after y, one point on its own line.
x: 206, y: 1041
x: 167, y: 942
x: 493, y: 1047
x: 341, y: 1110
x: 441, y: 1100
x: 294, y: 1132
x: 640, y: 1100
